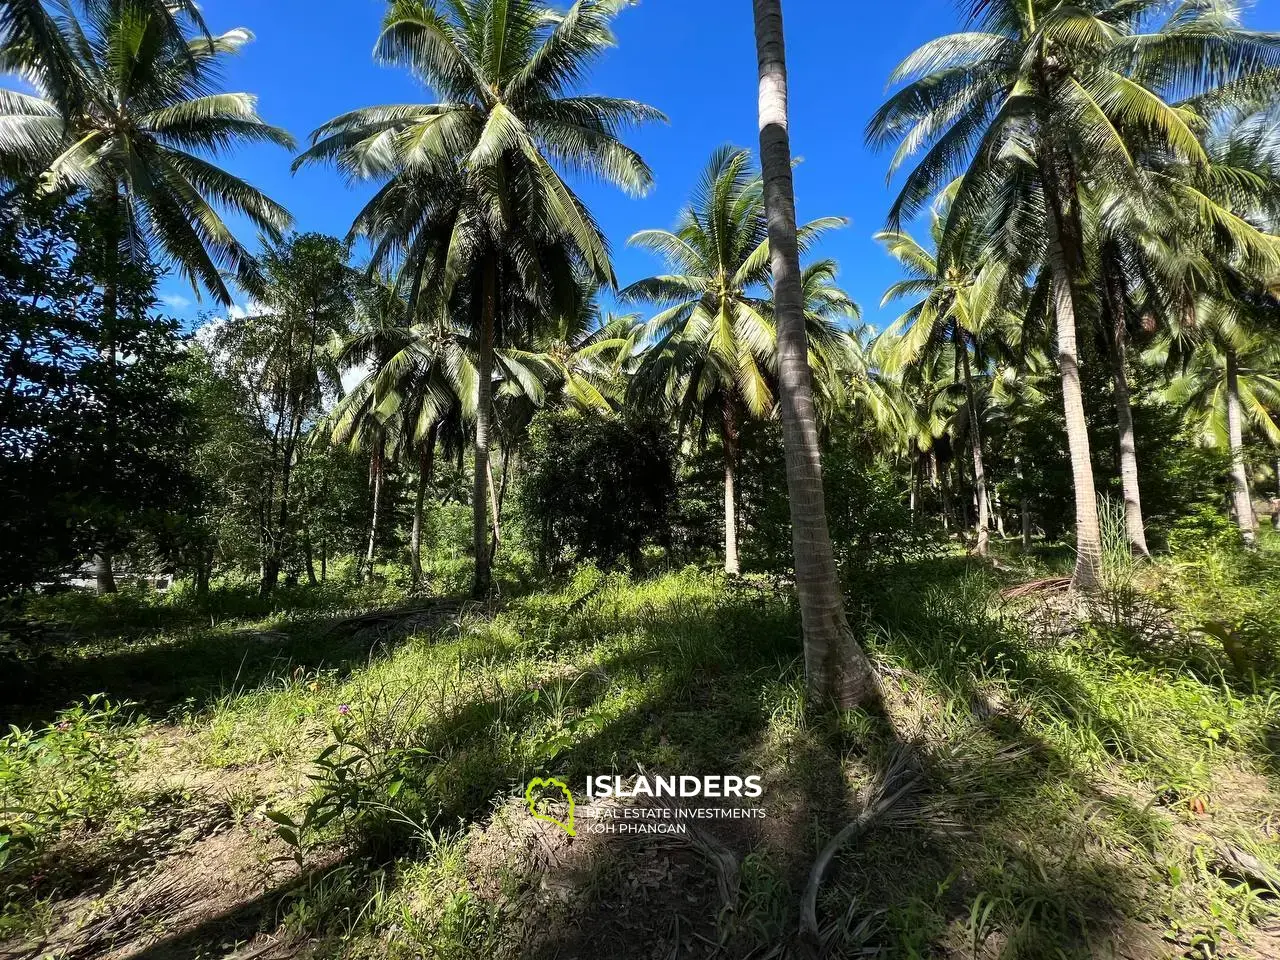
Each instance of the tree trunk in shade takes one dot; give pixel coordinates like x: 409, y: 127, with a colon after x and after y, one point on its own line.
x: 1064, y: 255
x: 730, y: 430
x: 484, y: 412
x: 979, y: 464
x: 836, y: 667
x: 426, y: 467
x: 1134, y: 525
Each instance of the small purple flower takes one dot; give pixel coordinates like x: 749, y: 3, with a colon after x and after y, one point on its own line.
x: 344, y: 709
x: 63, y: 726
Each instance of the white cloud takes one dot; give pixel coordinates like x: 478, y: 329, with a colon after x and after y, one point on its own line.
x: 237, y: 312
x: 176, y: 301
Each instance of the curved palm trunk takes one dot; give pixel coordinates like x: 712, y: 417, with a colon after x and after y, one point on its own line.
x: 836, y: 666
x: 426, y: 467
x: 1134, y: 525
x: 1063, y: 255
x: 730, y: 427
x: 1242, y: 500
x: 484, y: 411
x: 979, y: 465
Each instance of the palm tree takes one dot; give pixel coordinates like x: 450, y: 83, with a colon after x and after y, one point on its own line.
x: 1226, y: 378
x: 381, y: 330
x: 124, y: 108
x: 1046, y: 95
x: 471, y: 193
x: 957, y: 314
x: 835, y: 664
x: 711, y: 349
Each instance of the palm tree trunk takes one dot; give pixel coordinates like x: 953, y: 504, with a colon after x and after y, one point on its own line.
x: 946, y: 499
x: 377, y: 470
x: 484, y: 401
x: 1133, y: 521
x: 426, y: 467
x: 979, y: 466
x: 308, y: 555
x: 1243, y: 502
x: 1063, y: 257
x: 836, y: 667
x: 913, y: 481
x: 103, y: 573
x: 1025, y: 507
x: 103, y: 561
x: 498, y: 497
x: 730, y: 430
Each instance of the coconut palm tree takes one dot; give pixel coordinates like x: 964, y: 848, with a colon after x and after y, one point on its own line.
x: 836, y: 667
x: 126, y: 107
x: 483, y: 161
x: 960, y: 313
x: 710, y: 350
x: 380, y: 330
x: 1226, y: 377
x: 1040, y: 97
x: 129, y: 111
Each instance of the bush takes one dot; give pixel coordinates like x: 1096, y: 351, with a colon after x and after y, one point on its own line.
x: 71, y: 773
x: 871, y: 524
x: 596, y: 488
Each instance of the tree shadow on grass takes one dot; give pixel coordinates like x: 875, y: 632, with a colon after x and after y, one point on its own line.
x: 974, y: 863
x: 183, y: 664
x: 993, y: 854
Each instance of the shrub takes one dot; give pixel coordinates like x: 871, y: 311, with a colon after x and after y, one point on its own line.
x: 71, y: 773
x: 596, y: 488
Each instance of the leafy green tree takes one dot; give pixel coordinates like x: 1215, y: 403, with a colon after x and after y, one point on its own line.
x: 282, y: 356
x: 125, y: 108
x: 597, y: 488
x: 93, y: 445
x: 471, y: 196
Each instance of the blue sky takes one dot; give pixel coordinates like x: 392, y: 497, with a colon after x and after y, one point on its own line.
x: 693, y: 59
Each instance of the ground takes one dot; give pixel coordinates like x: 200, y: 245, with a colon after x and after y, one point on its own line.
x: 342, y: 774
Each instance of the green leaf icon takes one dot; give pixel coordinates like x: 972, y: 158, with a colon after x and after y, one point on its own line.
x: 532, y: 799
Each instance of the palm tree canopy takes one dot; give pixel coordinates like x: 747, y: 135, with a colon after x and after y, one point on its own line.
x: 507, y: 116
x: 127, y: 107
x: 714, y: 340
x: 1103, y: 85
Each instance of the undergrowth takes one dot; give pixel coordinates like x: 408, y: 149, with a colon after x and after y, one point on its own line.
x: 1083, y: 783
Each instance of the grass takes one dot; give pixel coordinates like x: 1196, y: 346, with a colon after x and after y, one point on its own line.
x: 1080, y: 786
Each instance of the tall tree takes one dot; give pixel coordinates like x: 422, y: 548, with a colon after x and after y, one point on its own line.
x: 1040, y: 98
x: 509, y: 113
x: 836, y: 666
x: 284, y: 355
x: 125, y: 107
x: 959, y: 314
x: 710, y: 353
x: 1227, y: 380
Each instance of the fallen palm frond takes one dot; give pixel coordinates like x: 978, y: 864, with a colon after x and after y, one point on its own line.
x: 1044, y: 585
x: 880, y: 805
